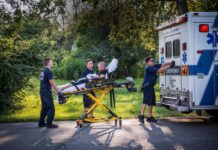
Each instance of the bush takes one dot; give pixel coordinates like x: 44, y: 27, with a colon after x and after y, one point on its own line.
x: 16, y: 67
x: 70, y: 68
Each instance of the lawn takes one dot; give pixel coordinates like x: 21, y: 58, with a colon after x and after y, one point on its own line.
x: 127, y: 105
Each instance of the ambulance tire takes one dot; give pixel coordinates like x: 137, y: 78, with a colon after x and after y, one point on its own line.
x: 188, y: 112
x: 213, y: 113
x: 168, y: 108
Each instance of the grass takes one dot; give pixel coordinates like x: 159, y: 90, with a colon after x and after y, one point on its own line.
x: 127, y: 105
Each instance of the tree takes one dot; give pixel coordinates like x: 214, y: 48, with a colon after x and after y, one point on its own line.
x: 182, y: 6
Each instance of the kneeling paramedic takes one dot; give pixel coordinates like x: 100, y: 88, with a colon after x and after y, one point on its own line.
x: 150, y: 79
x: 46, y: 83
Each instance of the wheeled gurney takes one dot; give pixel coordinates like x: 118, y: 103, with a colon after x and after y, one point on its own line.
x: 101, y: 87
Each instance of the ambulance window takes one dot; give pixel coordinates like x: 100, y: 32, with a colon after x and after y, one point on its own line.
x: 168, y: 50
x: 176, y: 48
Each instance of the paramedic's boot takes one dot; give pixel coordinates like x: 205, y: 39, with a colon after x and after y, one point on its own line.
x: 151, y: 119
x: 51, y: 126
x: 41, y: 125
x: 141, y: 118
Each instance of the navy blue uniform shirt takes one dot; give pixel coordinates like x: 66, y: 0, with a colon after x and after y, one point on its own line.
x: 86, y: 72
x: 150, y: 77
x: 45, y: 76
x: 102, y: 72
x: 86, y: 100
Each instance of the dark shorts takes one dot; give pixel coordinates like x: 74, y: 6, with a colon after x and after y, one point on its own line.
x: 149, y: 96
x: 87, y: 102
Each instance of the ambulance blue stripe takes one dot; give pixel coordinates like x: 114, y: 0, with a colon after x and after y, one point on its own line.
x: 204, y: 64
x: 208, y: 97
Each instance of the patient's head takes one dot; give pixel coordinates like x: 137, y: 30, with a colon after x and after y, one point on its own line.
x: 101, y: 66
x: 48, y: 63
x: 89, y: 64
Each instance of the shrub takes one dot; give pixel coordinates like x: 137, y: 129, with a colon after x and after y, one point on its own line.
x: 70, y: 68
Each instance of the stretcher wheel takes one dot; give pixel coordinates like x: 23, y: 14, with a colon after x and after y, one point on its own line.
x: 79, y: 124
x: 120, y: 122
x: 115, y: 122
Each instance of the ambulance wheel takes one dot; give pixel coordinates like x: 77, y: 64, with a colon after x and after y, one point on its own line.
x: 199, y: 112
x: 188, y: 112
x: 168, y: 108
x: 213, y: 113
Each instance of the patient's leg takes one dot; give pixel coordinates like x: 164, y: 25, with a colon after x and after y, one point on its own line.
x: 65, y: 86
x: 73, y: 88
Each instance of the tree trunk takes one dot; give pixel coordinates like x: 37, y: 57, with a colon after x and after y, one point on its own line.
x: 182, y: 6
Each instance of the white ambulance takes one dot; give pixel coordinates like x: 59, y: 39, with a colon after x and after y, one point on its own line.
x: 191, y: 40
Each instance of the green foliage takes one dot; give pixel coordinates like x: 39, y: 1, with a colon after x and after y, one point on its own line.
x: 127, y: 105
x: 33, y: 30
x: 23, y: 45
x: 70, y: 68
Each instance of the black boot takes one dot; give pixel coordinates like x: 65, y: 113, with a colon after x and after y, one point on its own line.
x: 141, y: 118
x: 151, y: 119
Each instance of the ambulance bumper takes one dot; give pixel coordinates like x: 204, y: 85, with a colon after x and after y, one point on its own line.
x: 175, y: 100
x: 181, y: 109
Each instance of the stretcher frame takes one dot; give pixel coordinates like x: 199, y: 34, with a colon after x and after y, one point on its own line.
x: 102, y: 91
x: 98, y: 103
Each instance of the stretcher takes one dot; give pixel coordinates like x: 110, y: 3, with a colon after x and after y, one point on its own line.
x: 101, y: 87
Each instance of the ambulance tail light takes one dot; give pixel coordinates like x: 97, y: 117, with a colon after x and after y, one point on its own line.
x: 184, y: 70
x: 203, y: 28
x: 199, y: 51
x: 162, y: 50
x: 184, y: 46
x: 182, y: 19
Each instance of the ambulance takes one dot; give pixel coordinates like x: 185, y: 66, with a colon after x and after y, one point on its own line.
x: 191, y: 40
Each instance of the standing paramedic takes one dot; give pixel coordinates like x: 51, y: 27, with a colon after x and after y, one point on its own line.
x: 87, y: 102
x: 46, y: 83
x: 151, y: 73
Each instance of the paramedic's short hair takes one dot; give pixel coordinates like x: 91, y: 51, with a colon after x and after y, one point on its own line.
x: 46, y: 61
x: 88, y: 60
x: 148, y: 59
x: 102, y: 63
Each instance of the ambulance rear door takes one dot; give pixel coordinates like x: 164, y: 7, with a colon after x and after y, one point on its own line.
x: 172, y: 52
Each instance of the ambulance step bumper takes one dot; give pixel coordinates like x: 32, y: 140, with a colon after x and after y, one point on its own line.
x: 179, y: 108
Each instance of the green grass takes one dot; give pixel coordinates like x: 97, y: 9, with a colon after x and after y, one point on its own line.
x: 127, y: 105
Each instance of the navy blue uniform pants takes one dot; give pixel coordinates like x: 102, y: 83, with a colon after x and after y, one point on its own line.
x: 47, y: 108
x: 87, y: 101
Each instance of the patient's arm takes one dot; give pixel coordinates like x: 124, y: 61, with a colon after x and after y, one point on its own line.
x: 102, y: 76
x: 112, y: 65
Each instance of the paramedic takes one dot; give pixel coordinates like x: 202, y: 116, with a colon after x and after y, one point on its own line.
x: 46, y: 83
x: 102, y: 69
x: 87, y: 102
x: 150, y: 80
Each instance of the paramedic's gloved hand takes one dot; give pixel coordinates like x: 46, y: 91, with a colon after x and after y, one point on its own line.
x: 173, y: 64
x: 60, y: 93
x: 61, y: 98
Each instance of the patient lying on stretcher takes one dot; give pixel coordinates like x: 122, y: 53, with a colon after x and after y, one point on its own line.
x: 80, y: 84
